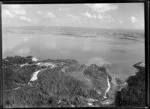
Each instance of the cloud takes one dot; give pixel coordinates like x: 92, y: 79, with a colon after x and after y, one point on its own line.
x: 120, y: 21
x: 101, y: 8
x: 87, y: 14
x: 39, y: 12
x: 100, y: 16
x: 50, y: 14
x: 7, y: 13
x: 63, y: 9
x: 46, y: 14
x: 14, y: 6
x: 16, y: 9
x: 94, y: 16
x: 15, y: 13
x: 133, y: 19
x: 74, y: 18
x: 19, y: 12
x: 25, y: 18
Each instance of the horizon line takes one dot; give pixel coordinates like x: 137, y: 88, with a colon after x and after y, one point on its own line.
x: 76, y: 27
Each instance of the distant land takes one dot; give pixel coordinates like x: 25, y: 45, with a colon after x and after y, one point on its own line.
x: 68, y: 27
x: 131, y: 34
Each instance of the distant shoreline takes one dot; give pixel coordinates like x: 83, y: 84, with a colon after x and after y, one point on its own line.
x: 120, y: 29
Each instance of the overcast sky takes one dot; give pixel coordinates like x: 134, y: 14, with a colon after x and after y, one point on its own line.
x: 114, y: 15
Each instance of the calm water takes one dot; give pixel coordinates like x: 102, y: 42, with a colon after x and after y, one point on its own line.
x: 119, y: 54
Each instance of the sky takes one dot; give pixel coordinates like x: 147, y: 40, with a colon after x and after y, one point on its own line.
x: 99, y: 15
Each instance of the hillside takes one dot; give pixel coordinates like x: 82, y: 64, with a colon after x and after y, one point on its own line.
x: 56, y: 83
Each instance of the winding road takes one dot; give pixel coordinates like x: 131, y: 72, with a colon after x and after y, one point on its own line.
x: 108, y: 83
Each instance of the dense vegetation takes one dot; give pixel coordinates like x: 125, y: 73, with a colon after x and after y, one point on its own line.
x: 61, y: 87
x: 98, y: 75
x: 14, y: 74
x: 53, y: 87
x: 17, y: 60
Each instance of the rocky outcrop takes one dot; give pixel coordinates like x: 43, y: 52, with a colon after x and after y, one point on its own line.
x: 134, y: 94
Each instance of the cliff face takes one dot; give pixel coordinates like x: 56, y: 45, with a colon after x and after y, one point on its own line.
x: 134, y: 93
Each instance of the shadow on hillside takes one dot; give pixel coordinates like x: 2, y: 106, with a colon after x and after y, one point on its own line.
x: 134, y: 94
